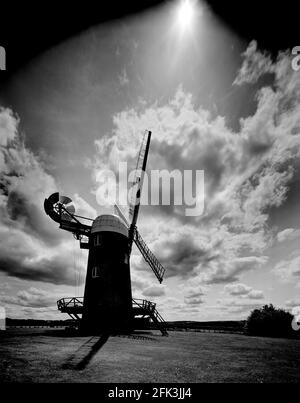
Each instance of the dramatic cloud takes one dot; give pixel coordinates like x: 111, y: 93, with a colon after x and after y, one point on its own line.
x: 25, y: 258
x: 8, y: 129
x: 33, y: 298
x: 243, y: 291
x: 288, y: 234
x: 237, y: 289
x: 254, y: 66
x: 247, y: 173
x: 123, y: 78
x: 194, y: 296
x: 289, y: 270
x: 256, y: 294
x: 154, y: 291
x: 230, y: 271
x: 31, y: 246
x: 138, y: 283
x: 240, y: 306
x: 83, y: 208
x: 293, y: 303
x: 182, y: 256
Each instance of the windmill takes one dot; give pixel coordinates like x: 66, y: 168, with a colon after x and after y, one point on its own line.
x: 107, y: 303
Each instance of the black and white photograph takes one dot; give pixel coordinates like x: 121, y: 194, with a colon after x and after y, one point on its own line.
x: 150, y: 194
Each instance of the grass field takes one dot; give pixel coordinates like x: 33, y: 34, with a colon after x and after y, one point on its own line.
x: 46, y: 355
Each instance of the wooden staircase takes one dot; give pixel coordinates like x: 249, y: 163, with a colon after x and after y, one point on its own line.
x: 146, y: 308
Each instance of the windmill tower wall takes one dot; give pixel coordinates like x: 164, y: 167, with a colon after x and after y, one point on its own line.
x: 108, y: 296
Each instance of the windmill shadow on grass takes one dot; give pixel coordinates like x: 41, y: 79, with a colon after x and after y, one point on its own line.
x: 82, y: 357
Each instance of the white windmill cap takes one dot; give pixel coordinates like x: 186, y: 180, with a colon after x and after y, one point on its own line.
x: 109, y: 223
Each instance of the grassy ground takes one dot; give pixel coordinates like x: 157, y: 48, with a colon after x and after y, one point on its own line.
x: 37, y: 355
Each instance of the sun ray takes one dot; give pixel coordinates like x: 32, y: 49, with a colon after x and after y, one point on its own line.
x: 185, y: 14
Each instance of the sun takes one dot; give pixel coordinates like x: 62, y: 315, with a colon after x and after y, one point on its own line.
x: 185, y: 14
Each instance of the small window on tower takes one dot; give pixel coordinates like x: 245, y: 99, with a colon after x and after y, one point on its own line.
x: 97, y: 240
x: 96, y: 272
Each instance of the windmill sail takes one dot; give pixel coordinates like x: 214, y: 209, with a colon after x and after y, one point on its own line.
x: 120, y: 213
x: 134, y: 235
x: 149, y: 256
x: 138, y: 182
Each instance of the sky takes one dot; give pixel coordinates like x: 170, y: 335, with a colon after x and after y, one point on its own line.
x: 214, y: 103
